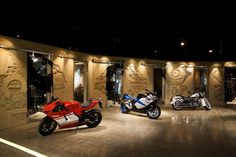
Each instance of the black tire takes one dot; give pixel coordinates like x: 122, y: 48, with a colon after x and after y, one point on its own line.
x: 94, y: 117
x: 176, y: 106
x: 124, y: 109
x: 208, y: 105
x: 154, y: 112
x: 46, y: 126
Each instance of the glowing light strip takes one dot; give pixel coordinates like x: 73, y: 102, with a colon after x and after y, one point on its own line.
x: 27, y: 150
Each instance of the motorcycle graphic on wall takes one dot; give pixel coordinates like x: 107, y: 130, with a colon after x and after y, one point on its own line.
x: 195, y: 100
x: 68, y: 114
x: 143, y: 103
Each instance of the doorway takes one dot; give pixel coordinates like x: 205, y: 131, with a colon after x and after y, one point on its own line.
x: 230, y: 83
x: 79, y: 81
x: 114, y: 81
x: 200, y: 79
x: 39, y: 82
x: 158, y: 75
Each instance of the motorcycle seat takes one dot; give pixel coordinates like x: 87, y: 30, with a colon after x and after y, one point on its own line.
x: 85, y: 104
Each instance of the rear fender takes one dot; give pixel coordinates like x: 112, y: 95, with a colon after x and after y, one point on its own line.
x: 92, y: 103
x: 175, y: 98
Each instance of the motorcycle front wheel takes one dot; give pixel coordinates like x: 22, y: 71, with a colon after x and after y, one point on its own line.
x: 94, y: 118
x: 153, y: 112
x: 124, y: 108
x: 208, y: 105
x: 176, y: 105
x: 46, y: 126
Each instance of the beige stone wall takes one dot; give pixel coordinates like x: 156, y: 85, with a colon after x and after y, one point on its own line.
x: 97, y: 80
x: 137, y: 77
x: 13, y: 85
x: 179, y: 79
x: 63, y: 75
x: 216, y: 85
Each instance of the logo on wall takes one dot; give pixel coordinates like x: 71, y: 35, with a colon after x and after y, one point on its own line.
x: 14, y: 86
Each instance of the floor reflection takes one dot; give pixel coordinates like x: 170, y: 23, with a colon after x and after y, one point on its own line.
x: 183, y: 133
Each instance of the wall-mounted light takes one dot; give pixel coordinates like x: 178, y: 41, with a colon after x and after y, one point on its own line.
x: 106, y: 61
x: 152, y: 65
x: 2, y: 46
x: 60, y: 56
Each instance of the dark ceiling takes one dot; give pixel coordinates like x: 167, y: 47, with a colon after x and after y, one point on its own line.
x: 144, y: 37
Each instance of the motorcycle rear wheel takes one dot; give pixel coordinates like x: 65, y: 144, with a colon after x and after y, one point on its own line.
x: 153, y: 112
x: 94, y: 117
x: 47, y: 126
x: 176, y: 106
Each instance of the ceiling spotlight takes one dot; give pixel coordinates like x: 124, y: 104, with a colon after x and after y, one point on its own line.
x: 182, y: 43
x: 210, y: 51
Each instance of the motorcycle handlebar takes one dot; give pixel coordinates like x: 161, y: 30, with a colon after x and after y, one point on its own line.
x: 149, y: 92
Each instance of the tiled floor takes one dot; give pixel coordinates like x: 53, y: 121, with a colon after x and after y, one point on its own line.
x: 185, y: 133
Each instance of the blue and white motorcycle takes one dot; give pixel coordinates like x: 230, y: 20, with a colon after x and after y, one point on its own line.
x: 144, y: 103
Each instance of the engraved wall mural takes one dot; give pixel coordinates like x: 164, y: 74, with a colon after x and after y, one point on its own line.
x: 176, y: 76
x: 13, y: 87
x: 137, y: 82
x: 217, y: 84
x: 100, y: 82
x: 176, y: 80
x: 13, y: 84
x: 59, y: 81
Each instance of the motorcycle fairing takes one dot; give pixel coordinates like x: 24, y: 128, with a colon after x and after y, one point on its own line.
x: 143, y: 102
x: 67, y: 119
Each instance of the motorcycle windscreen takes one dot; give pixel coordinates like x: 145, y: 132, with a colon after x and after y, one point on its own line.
x: 141, y: 103
x: 67, y: 119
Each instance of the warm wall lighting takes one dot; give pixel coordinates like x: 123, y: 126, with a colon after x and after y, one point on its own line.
x: 2, y: 46
x: 106, y: 61
x: 60, y: 56
x: 150, y: 65
x: 101, y: 61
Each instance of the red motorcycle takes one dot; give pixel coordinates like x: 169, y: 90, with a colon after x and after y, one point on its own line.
x: 69, y: 114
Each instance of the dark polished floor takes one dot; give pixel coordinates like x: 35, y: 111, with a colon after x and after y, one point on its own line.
x: 186, y: 133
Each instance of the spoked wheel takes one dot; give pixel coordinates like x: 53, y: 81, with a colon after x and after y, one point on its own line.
x: 176, y: 105
x: 154, y: 112
x: 47, y: 126
x: 94, y: 117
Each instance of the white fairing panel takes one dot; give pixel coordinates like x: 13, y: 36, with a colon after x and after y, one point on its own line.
x: 143, y: 102
x: 70, y: 118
